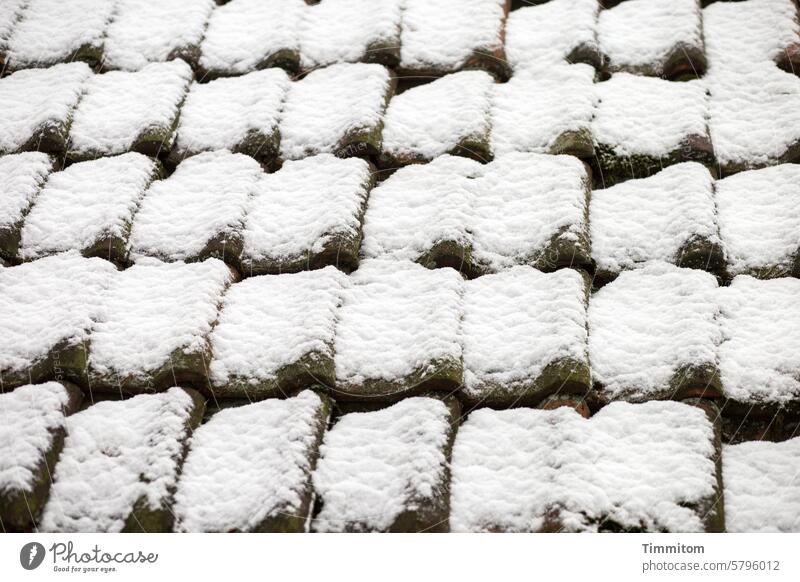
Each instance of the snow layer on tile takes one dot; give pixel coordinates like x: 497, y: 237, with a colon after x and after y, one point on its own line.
x: 652, y: 218
x: 30, y: 416
x: 557, y: 101
x: 432, y: 119
x: 637, y: 33
x: 47, y: 302
x: 146, y: 31
x: 419, y: 206
x: 519, y: 321
x: 205, y: 197
x: 303, y: 206
x: 759, y: 218
x: 329, y: 105
x: 397, y: 318
x: 21, y: 179
x: 85, y: 203
x: 444, y: 34
x: 762, y: 489
x: 243, y: 34
x: 760, y: 355
x: 33, y: 98
x: 154, y: 309
x: 648, y: 324
x: 247, y: 464
x: 337, y: 31
x: 738, y: 34
x: 754, y: 114
x: 546, y: 34
x: 50, y: 31
x: 376, y: 465
x: 636, y: 115
x: 638, y: 466
x: 220, y: 114
x: 115, y: 454
x: 10, y: 13
x: 272, y: 321
x: 120, y: 106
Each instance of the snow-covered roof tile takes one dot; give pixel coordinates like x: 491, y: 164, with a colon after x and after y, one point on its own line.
x: 238, y: 113
x: 54, y: 31
x: 398, y: 331
x: 307, y: 215
x: 449, y: 115
x: 38, y: 106
x: 762, y: 491
x: 524, y: 336
x: 759, y: 359
x: 654, y: 333
x: 249, y: 468
x: 643, y: 467
x: 155, y: 324
x: 247, y: 35
x: 120, y: 464
x: 662, y: 38
x: 123, y: 111
x: 275, y: 334
x: 199, y: 211
x: 21, y: 178
x: 49, y: 307
x: 387, y: 470
x: 31, y: 437
x: 759, y: 221
x: 147, y: 31
x: 670, y: 216
x: 88, y: 207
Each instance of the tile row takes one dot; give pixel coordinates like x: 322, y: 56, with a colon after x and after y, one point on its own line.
x: 300, y: 464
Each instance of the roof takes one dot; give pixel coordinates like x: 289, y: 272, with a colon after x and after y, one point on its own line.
x: 346, y: 266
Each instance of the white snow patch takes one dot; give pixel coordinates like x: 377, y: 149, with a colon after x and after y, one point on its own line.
x: 21, y: 179
x: 10, y: 13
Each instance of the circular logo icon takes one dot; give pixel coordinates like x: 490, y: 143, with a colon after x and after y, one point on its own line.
x: 31, y: 555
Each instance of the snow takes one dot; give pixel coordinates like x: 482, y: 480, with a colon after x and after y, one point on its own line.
x: 336, y: 31
x: 115, y: 454
x: 21, y: 179
x: 51, y: 31
x: 650, y: 324
x: 517, y: 322
x: 557, y: 100
x: 154, y: 309
x: 432, y: 119
x: 762, y: 491
x: 330, y: 105
x: 376, y: 465
x: 10, y: 13
x: 397, y: 318
x: 222, y: 113
x: 31, y: 415
x: 85, y: 203
x: 759, y: 218
x: 120, y: 106
x: 248, y: 464
x: 507, y: 211
x: 206, y: 197
x: 304, y: 206
x: 47, y: 303
x: 36, y: 98
x: 636, y: 115
x: 443, y: 35
x: 637, y: 466
x: 652, y: 219
x: 759, y: 358
x: 273, y: 321
x: 641, y: 33
x: 243, y: 35
x: 146, y: 31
